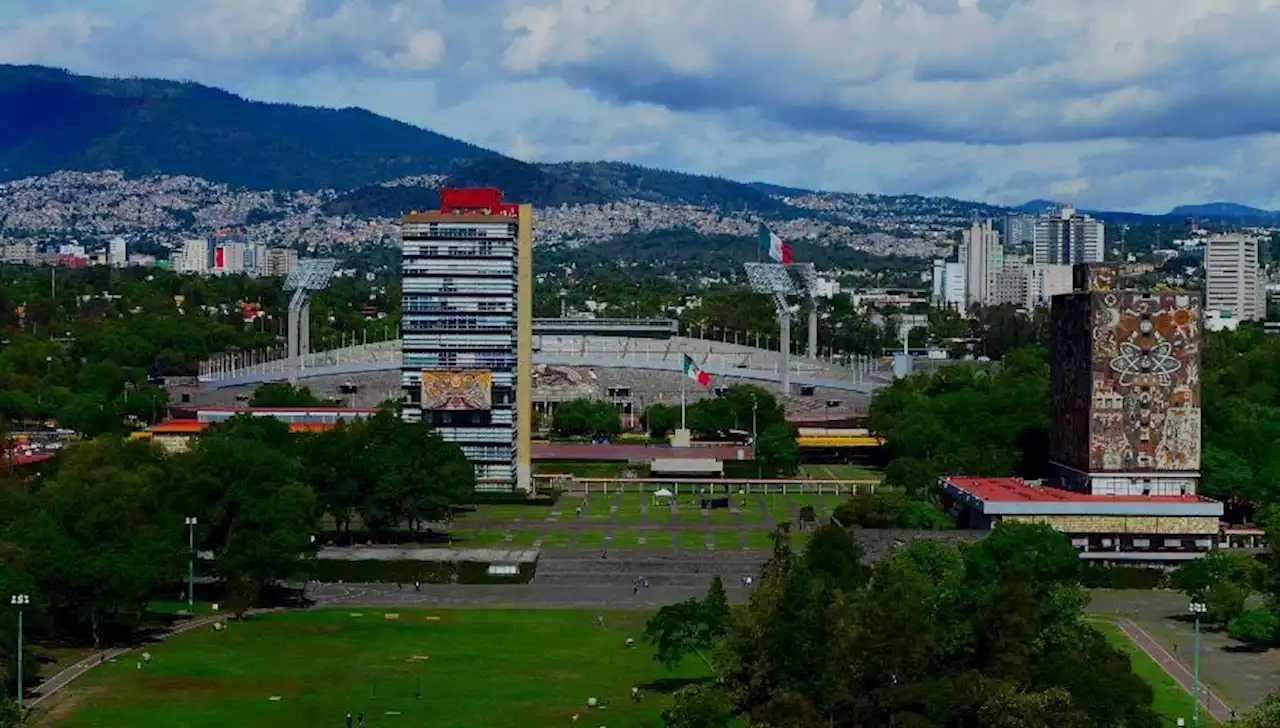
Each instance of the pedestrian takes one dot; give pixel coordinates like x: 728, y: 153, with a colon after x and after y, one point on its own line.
x: 635, y: 588
x: 360, y: 720
x: 635, y: 694
x: 599, y: 620
x: 417, y: 586
x: 348, y: 720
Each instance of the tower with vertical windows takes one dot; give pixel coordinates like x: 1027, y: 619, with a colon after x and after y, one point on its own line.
x: 467, y: 330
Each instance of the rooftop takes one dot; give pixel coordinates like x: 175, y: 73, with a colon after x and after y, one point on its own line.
x: 1017, y: 490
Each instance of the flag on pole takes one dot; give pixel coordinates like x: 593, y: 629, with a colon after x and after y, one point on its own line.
x: 779, y: 251
x: 693, y: 372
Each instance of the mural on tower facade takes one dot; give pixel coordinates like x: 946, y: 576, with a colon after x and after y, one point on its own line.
x: 1135, y: 405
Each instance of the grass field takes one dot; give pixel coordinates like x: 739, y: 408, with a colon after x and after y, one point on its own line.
x: 493, y: 668
x: 1171, y: 701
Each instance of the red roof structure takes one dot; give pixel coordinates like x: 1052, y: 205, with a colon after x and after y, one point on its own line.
x: 1017, y: 490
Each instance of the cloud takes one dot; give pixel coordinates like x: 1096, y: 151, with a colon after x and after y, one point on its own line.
x: 1140, y: 104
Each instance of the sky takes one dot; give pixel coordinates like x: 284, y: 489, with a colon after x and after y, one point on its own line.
x: 1111, y: 104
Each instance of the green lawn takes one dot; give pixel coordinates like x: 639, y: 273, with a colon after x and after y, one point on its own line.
x: 842, y: 472
x: 624, y: 538
x: 759, y: 540
x: 1171, y: 701
x: 695, y: 540
x: 591, y: 538
x: 556, y: 539
x: 493, y: 668
x: 657, y: 538
x: 725, y: 539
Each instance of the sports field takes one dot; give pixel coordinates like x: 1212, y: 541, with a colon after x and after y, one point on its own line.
x: 493, y: 668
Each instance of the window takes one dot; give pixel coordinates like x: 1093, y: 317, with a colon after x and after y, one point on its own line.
x: 503, y: 570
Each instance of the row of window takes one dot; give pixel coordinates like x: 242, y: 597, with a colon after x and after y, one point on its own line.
x: 496, y: 286
x: 461, y: 359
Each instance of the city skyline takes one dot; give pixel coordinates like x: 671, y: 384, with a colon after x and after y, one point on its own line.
x: 888, y: 97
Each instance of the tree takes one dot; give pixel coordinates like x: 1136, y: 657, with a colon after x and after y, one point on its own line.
x: 1259, y: 627
x: 284, y: 394
x: 777, y: 450
x: 10, y: 716
x: 1223, y: 581
x: 101, y: 540
x: 1264, y: 715
x: 834, y: 556
x: 691, y: 627
x: 586, y: 418
x: 698, y: 706
x: 243, y: 483
x: 660, y: 420
x: 891, y: 509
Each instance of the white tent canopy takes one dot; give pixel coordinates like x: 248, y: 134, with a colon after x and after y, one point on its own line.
x: 663, y: 493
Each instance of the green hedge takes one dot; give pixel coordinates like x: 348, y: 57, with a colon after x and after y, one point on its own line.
x: 407, y: 572
x: 1122, y: 577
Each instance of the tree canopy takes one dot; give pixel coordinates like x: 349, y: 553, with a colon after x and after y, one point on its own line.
x: 991, y: 635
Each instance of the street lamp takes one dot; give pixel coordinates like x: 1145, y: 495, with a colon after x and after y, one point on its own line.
x: 191, y: 563
x: 1197, y: 609
x: 19, y: 601
x: 754, y: 448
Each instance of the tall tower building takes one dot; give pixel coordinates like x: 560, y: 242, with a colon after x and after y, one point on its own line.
x: 1124, y: 369
x: 1019, y: 233
x: 467, y: 330
x: 982, y: 257
x: 1065, y: 237
x: 1232, y: 282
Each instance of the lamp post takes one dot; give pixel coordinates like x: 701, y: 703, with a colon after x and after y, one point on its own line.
x: 1197, y: 609
x: 754, y: 448
x: 19, y: 601
x: 191, y: 563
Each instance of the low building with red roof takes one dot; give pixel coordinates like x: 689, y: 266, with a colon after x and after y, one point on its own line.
x: 1113, y: 529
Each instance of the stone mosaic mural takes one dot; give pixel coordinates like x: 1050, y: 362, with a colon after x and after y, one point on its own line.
x: 1146, y: 382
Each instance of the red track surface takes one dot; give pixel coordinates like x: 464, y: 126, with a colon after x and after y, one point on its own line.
x: 590, y: 451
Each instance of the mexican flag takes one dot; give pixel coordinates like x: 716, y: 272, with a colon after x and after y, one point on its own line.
x: 692, y: 371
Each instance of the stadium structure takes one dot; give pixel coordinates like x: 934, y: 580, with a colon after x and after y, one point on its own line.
x: 468, y: 340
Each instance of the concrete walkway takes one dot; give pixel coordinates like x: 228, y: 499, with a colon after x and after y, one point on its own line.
x: 1176, y: 670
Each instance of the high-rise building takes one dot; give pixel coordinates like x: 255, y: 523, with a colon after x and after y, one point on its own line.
x: 1019, y: 233
x: 194, y: 257
x: 1043, y: 282
x: 117, y: 252
x: 1124, y: 371
x: 279, y: 262
x: 982, y: 257
x: 948, y: 284
x: 467, y: 330
x: 1233, y: 284
x: 1066, y: 237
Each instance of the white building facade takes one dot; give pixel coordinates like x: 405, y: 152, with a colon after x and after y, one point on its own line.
x: 1233, y: 282
x: 1064, y: 237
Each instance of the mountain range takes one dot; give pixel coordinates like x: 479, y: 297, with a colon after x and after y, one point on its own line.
x: 52, y: 120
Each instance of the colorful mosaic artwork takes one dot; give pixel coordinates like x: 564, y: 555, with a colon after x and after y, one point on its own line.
x: 467, y: 390
x: 1130, y: 398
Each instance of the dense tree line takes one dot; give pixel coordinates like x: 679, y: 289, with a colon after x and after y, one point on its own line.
x: 993, y: 635
x: 966, y: 420
x: 103, y: 532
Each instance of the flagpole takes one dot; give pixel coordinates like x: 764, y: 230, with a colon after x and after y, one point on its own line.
x: 683, y: 379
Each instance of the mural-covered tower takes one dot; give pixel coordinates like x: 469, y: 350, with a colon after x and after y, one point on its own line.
x: 1125, y: 371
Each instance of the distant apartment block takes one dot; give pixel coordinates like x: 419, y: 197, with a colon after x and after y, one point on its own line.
x: 279, y: 262
x: 948, y: 285
x: 982, y: 257
x: 1019, y: 232
x: 1031, y: 286
x: 1234, y: 285
x: 117, y: 252
x: 1065, y: 237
